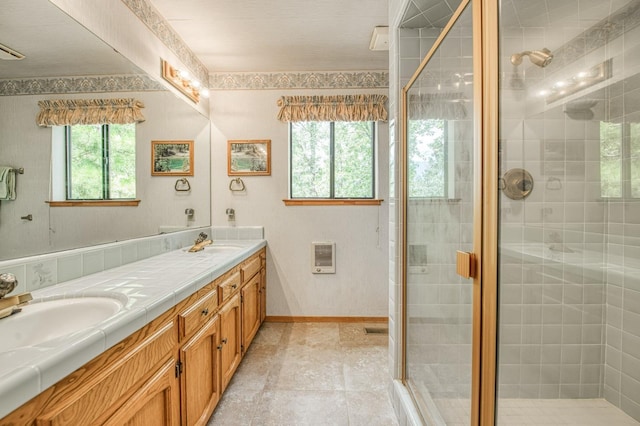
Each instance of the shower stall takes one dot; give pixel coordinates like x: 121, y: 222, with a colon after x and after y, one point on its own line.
x: 521, y: 211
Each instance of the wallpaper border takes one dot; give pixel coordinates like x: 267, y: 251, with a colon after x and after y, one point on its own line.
x: 299, y: 80
x: 79, y: 84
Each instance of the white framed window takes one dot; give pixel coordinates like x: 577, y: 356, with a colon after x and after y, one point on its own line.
x: 619, y: 160
x: 94, y: 162
x: 430, y: 154
x: 332, y: 159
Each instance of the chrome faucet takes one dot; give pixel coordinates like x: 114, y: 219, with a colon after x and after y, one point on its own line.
x: 8, y: 282
x: 200, y: 243
x: 201, y: 237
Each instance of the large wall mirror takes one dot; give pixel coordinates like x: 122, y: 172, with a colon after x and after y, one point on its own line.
x: 63, y: 60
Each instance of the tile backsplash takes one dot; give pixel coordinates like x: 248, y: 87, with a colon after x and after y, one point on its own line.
x: 36, y: 272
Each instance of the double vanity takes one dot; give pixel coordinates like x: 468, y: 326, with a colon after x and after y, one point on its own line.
x: 151, y: 342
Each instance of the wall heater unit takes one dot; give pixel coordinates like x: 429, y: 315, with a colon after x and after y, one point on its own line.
x: 323, y: 258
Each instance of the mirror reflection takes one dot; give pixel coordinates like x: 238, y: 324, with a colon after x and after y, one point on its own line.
x: 63, y: 60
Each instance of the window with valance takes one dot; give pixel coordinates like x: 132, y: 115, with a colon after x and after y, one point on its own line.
x: 333, y: 108
x: 332, y: 146
x: 93, y: 149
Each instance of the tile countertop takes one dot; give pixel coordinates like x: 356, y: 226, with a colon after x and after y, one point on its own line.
x: 146, y: 288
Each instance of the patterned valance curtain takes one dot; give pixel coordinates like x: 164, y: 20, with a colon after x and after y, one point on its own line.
x: 63, y: 112
x: 441, y: 106
x: 333, y: 108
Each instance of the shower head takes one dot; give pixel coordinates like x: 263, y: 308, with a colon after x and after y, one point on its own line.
x: 541, y: 58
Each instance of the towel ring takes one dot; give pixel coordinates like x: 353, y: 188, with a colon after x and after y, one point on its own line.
x: 236, y: 185
x: 182, y: 185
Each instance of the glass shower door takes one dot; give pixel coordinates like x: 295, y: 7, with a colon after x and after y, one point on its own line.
x: 439, y: 153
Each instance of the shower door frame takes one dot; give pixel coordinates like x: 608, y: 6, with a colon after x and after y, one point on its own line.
x: 485, y: 216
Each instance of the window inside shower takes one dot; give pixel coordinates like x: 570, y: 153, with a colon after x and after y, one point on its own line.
x: 620, y: 160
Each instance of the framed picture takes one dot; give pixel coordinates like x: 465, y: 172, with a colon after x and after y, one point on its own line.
x: 250, y: 157
x: 172, y: 158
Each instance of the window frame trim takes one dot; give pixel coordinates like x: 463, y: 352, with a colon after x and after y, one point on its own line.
x: 105, y: 181
x: 332, y: 197
x: 625, y: 163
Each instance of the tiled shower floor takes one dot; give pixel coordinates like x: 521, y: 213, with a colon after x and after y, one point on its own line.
x: 565, y: 412
x: 310, y: 374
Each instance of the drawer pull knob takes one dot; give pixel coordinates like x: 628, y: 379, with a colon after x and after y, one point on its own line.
x: 219, y: 347
x: 234, y: 285
x: 224, y: 340
x: 205, y: 311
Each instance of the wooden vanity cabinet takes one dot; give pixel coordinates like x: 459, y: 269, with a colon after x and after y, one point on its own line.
x: 250, y: 301
x: 157, y: 402
x: 132, y: 376
x: 228, y: 284
x: 263, y: 286
x: 250, y: 267
x: 172, y: 371
x: 230, y: 339
x: 200, y: 360
x: 197, y: 314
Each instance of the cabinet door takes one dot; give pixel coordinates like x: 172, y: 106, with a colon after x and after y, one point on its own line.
x: 263, y: 294
x: 200, y: 378
x: 156, y: 403
x: 97, y: 394
x: 230, y: 338
x: 250, y: 300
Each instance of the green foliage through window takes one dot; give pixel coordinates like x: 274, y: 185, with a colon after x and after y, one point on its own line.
x: 332, y: 159
x: 427, y: 158
x: 101, y: 162
x: 619, y: 160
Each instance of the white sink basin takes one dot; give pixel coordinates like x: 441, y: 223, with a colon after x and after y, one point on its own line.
x: 41, y: 322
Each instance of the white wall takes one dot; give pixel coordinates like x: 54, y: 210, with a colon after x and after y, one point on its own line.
x: 360, y: 285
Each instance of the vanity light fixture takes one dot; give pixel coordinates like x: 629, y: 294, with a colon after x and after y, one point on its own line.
x: 181, y: 80
x: 578, y: 82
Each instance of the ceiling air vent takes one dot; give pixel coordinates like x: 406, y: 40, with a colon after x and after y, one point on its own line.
x: 8, y: 54
x: 379, y: 39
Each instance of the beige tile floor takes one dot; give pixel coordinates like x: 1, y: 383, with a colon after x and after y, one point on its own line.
x: 310, y: 374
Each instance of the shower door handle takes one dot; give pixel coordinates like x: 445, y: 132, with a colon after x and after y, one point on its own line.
x: 465, y: 264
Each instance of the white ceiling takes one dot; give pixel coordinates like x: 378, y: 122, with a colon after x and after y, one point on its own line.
x: 279, y: 35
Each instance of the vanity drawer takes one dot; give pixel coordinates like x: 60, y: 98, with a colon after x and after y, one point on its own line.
x: 228, y: 285
x: 199, y: 313
x: 250, y: 268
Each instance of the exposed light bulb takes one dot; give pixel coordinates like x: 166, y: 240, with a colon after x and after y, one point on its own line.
x: 205, y: 93
x: 195, y: 84
x: 184, y: 74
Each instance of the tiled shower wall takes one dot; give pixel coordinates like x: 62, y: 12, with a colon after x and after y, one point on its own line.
x: 569, y: 318
x: 551, y: 307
